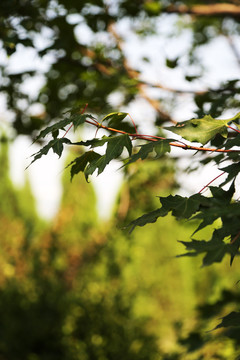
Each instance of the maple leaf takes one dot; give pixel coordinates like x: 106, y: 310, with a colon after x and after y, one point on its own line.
x: 160, y: 147
x: 56, y: 145
x: 79, y: 164
x: 115, y: 147
x: 232, y: 319
x: 201, y: 130
x: 181, y: 207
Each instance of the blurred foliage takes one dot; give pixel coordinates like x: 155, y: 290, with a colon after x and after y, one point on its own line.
x: 79, y: 56
x: 78, y: 288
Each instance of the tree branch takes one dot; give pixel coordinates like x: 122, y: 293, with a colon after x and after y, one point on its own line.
x: 133, y: 74
x: 233, y: 48
x: 179, y: 144
x: 222, y: 9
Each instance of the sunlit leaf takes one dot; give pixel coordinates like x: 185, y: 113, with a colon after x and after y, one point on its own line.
x: 114, y: 116
x: 200, y: 130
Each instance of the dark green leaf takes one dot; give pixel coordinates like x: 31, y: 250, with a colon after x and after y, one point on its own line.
x: 60, y: 125
x: 160, y: 147
x: 78, y: 119
x: 229, y: 144
x: 215, y: 249
x: 181, y: 207
x: 79, y: 164
x: 232, y: 171
x: 232, y: 319
x: 148, y: 218
x: 56, y: 145
x: 172, y: 63
x: 115, y: 146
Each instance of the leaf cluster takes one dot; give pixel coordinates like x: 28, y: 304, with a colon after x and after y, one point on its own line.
x: 219, y: 208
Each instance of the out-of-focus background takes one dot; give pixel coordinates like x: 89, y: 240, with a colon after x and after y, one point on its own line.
x: 73, y: 283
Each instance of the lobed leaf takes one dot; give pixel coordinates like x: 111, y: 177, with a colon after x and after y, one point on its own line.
x: 114, y: 117
x: 214, y: 250
x: 181, y: 207
x: 79, y: 164
x: 60, y: 125
x: 75, y: 118
x: 160, y: 147
x: 56, y: 145
x: 201, y: 130
x: 115, y: 147
x: 232, y: 319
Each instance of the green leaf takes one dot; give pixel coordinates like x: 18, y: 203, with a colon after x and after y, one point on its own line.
x: 201, y: 130
x: 115, y: 146
x: 60, y: 125
x: 218, y: 206
x: 229, y: 144
x: 94, y: 142
x: 56, y: 145
x: 79, y: 119
x: 215, y: 249
x: 148, y: 218
x: 171, y: 63
x: 160, y: 147
x: 75, y: 118
x: 79, y: 164
x: 97, y: 164
x: 181, y: 207
x: 114, y: 116
x: 235, y: 245
x: 232, y: 319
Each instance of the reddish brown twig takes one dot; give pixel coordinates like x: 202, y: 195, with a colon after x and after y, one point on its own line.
x: 156, y: 138
x: 210, y: 182
x: 235, y: 238
x: 230, y: 127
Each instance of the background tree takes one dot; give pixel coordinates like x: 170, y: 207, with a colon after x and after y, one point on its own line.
x: 85, y: 56
x: 79, y: 53
x: 79, y: 289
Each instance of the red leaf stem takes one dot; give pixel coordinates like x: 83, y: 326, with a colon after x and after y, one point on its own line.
x: 82, y: 112
x: 230, y: 127
x: 211, y: 182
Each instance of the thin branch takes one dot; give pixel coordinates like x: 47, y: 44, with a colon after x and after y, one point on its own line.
x: 133, y: 74
x: 235, y: 238
x: 218, y: 9
x: 82, y: 112
x: 236, y: 130
x: 210, y: 182
x: 107, y: 69
x: 133, y: 123
x: 182, y: 91
x: 156, y: 138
